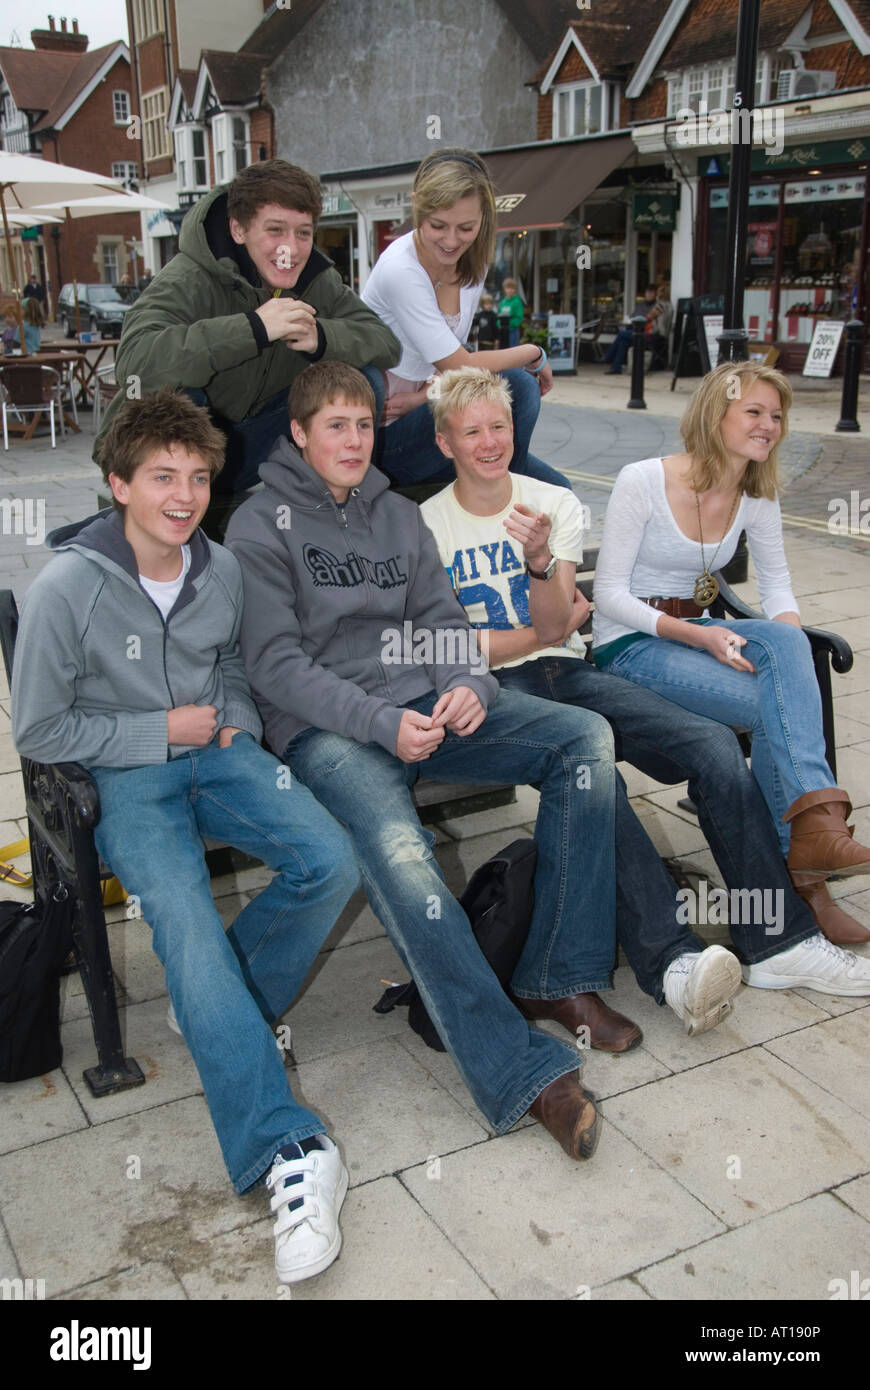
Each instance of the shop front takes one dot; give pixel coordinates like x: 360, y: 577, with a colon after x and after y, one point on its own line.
x: 806, y: 253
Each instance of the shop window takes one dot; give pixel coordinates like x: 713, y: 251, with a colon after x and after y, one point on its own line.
x: 758, y: 300
x: 821, y: 252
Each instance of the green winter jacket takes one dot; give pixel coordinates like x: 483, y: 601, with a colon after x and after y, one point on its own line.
x: 192, y: 325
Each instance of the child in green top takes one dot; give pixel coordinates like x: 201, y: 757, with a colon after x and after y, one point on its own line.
x: 512, y: 304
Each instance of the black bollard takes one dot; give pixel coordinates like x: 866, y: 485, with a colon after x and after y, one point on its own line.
x: 851, y: 368
x: 504, y: 329
x: 638, y: 347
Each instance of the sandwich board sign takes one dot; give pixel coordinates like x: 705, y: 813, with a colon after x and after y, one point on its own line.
x: 823, y: 348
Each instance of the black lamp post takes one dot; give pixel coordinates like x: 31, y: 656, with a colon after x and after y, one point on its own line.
x: 733, y: 339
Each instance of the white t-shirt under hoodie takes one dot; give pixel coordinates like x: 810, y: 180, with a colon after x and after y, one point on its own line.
x: 644, y: 552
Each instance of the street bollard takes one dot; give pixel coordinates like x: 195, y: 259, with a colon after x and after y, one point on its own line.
x: 638, y: 347
x: 851, y: 368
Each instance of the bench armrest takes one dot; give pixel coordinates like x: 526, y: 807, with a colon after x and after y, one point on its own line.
x: 836, y: 647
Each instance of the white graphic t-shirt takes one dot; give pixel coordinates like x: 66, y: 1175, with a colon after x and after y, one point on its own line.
x: 486, y: 565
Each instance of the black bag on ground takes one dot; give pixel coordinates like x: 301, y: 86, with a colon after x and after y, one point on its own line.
x: 33, y: 947
x: 498, y: 902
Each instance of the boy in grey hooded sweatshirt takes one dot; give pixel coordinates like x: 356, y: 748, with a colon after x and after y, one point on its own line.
x: 366, y: 672
x: 127, y: 660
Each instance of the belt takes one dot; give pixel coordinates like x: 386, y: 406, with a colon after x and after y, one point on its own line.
x: 675, y: 607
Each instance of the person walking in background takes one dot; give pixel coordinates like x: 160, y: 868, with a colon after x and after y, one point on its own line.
x: 33, y: 290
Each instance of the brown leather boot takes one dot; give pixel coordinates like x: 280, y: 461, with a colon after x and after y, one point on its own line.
x: 821, y: 841
x: 569, y: 1113
x: 608, y: 1030
x: 831, y: 920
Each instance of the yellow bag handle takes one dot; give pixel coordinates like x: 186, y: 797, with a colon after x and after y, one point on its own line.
x: 8, y: 874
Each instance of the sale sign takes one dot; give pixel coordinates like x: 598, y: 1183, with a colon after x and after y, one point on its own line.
x: 823, y: 348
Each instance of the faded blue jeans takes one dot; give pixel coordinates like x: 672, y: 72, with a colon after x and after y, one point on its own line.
x: 226, y: 987
x: 407, y: 451
x: 571, y: 942
x: 672, y: 745
x: 780, y: 703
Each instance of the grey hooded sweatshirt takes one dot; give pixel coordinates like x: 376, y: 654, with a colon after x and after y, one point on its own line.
x: 97, y: 669
x: 349, y: 614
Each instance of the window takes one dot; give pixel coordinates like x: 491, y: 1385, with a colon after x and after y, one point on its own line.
x: 148, y: 18
x: 121, y: 107
x: 713, y: 85
x: 110, y: 262
x: 154, y: 133
x: 190, y: 158
x: 584, y: 108
x: 231, y: 147
x: 127, y: 173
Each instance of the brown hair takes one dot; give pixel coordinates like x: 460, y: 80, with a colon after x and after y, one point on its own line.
x: 157, y: 421
x: 702, y: 422
x: 273, y: 181
x: 33, y: 313
x: 321, y: 384
x: 441, y: 180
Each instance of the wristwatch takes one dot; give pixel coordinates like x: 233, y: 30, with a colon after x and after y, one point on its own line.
x: 543, y: 574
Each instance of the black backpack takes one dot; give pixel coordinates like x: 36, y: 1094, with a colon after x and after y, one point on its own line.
x: 33, y: 947
x: 498, y: 902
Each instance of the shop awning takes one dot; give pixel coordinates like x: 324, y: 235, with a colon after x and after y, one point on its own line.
x: 538, y: 187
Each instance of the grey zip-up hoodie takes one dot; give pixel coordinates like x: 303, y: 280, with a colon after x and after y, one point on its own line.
x: 96, y: 668
x: 329, y: 591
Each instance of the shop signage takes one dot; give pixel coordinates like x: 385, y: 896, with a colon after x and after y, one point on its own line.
x: 824, y: 190
x: 654, y: 212
x: 808, y: 156
x: 508, y: 201
x: 30, y: 233
x: 561, y: 329
x: 823, y: 349
x: 760, y: 195
x: 336, y: 203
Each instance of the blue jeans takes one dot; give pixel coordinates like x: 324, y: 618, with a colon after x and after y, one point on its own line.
x: 618, y: 350
x: 673, y: 746
x: 407, y: 451
x: 224, y: 986
x: 780, y: 704
x: 250, y: 441
x: 571, y: 944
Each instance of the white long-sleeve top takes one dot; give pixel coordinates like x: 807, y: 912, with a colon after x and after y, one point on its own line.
x: 644, y: 552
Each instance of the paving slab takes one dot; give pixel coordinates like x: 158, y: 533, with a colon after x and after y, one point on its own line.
x: 38, y: 1109
x: 620, y: 1291
x: 750, y: 1114
x: 335, y: 1012
x: 102, y: 1221
x: 534, y: 1224
x: 856, y: 1194
x: 8, y: 1264
x: 139, y: 1283
x: 794, y: 1254
x: 383, y: 1109
x: 836, y: 1055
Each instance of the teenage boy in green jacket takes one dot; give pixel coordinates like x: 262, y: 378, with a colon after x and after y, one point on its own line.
x: 246, y: 305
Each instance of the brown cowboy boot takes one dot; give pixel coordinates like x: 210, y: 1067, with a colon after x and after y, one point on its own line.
x: 569, y: 1113
x: 821, y: 841
x: 831, y: 920
x: 609, y: 1031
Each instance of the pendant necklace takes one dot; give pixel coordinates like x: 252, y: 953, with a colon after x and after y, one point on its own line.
x: 706, y: 587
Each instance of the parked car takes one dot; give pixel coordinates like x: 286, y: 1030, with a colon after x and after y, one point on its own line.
x: 101, y: 310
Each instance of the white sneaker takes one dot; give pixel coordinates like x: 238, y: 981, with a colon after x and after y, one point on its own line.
x: 812, y: 964
x: 699, y: 987
x: 307, y: 1237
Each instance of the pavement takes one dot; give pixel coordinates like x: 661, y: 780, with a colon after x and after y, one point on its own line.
x: 735, y: 1165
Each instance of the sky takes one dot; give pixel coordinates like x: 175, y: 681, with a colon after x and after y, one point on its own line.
x: 102, y: 20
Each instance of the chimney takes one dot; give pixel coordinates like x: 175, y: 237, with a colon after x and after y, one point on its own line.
x: 54, y: 40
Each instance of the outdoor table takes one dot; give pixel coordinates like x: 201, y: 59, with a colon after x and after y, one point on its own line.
x: 66, y: 356
x: 88, y: 369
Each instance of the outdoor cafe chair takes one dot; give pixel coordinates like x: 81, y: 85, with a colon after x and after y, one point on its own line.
x: 29, y: 389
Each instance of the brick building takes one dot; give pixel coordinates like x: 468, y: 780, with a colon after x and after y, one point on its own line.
x: 71, y: 106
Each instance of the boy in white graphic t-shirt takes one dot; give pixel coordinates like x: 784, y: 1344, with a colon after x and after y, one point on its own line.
x: 511, y: 545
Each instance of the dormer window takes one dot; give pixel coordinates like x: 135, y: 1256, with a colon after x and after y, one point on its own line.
x: 584, y: 108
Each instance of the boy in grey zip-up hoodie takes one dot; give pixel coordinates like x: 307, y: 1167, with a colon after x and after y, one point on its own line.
x: 365, y: 669
x: 127, y: 660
